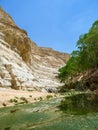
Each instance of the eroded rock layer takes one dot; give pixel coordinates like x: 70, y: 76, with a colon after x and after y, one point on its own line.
x: 24, y: 65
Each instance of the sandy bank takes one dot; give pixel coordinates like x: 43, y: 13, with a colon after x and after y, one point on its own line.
x: 6, y: 95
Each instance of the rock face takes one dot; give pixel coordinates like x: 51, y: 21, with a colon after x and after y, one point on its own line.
x: 24, y: 65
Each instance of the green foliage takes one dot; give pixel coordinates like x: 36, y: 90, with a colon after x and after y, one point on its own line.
x: 24, y: 99
x: 40, y: 98
x: 71, y: 68
x: 49, y: 97
x: 13, y: 100
x: 85, y: 57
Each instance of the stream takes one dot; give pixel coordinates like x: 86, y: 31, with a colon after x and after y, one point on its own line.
x: 45, y: 115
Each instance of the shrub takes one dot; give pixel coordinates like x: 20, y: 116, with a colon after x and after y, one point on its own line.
x: 35, y: 99
x: 40, y: 98
x: 13, y: 100
x: 4, y: 104
x: 24, y: 99
x: 49, y: 96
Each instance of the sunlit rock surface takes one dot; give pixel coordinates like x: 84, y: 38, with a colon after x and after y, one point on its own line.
x: 24, y: 65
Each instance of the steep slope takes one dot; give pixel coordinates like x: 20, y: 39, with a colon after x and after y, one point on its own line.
x: 24, y: 65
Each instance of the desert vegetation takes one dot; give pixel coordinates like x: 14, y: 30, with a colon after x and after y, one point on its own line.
x: 81, y: 74
x: 81, y: 69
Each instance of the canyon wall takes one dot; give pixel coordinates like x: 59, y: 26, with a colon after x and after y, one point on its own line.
x: 23, y: 64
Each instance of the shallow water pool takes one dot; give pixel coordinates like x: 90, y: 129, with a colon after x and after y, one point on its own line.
x: 45, y: 115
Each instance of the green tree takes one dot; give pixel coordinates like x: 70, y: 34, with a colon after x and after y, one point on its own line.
x: 86, y: 55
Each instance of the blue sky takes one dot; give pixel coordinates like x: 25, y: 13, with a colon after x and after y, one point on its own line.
x: 53, y: 23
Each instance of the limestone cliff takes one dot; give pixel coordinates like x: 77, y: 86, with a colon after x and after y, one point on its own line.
x: 24, y: 65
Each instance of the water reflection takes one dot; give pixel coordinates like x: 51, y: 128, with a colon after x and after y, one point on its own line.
x: 45, y: 115
x: 80, y: 103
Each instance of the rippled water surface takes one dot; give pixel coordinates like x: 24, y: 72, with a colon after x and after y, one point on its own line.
x: 45, y: 115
